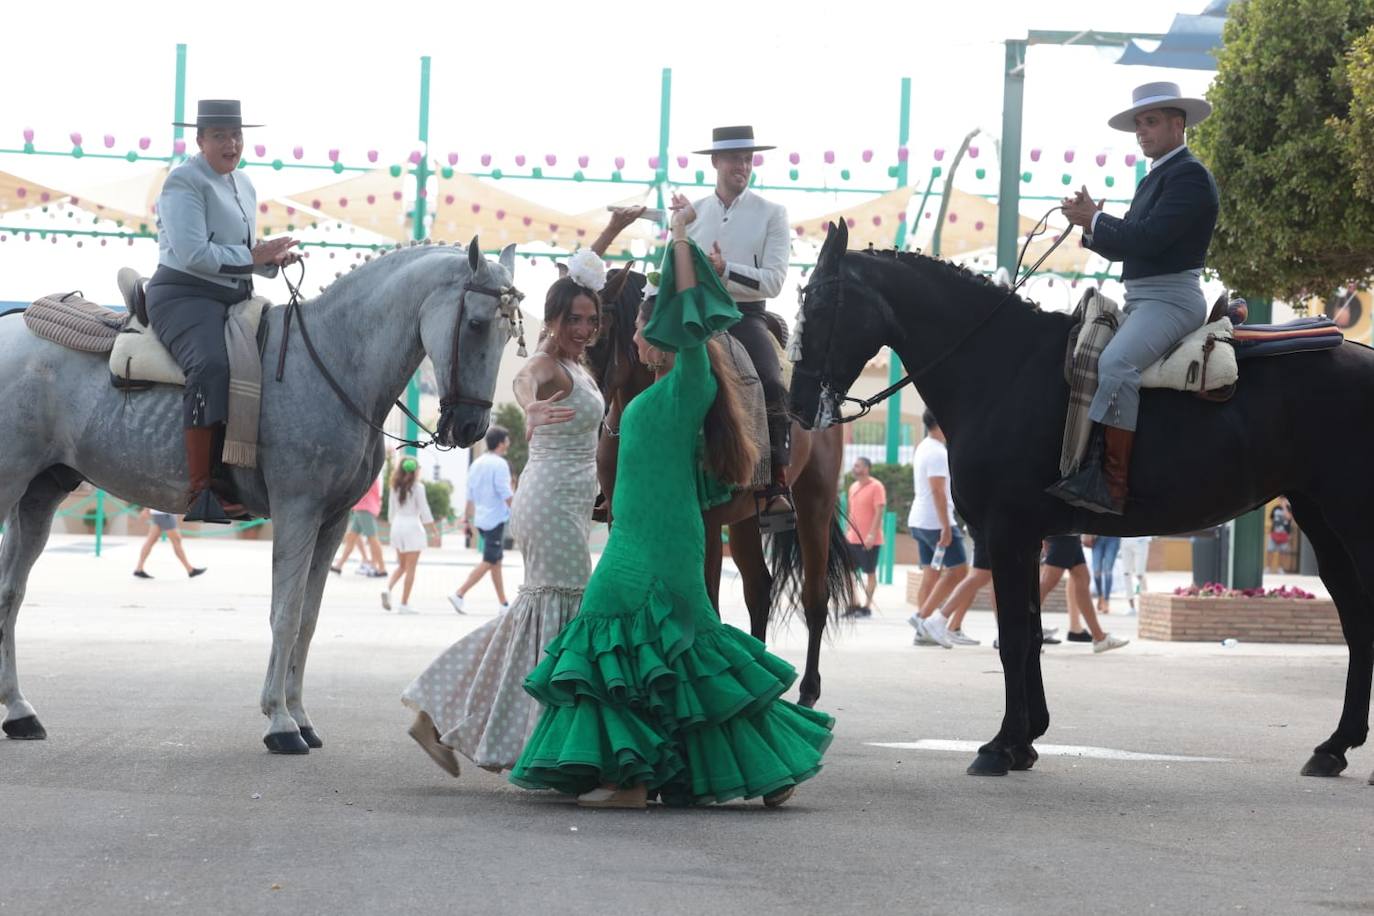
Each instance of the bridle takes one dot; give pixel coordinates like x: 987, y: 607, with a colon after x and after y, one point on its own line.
x: 509, y: 307
x: 823, y: 376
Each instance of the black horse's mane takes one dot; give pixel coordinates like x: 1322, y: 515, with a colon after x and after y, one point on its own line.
x: 919, y: 260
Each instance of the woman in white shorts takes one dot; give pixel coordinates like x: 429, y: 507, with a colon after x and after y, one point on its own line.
x: 408, y: 513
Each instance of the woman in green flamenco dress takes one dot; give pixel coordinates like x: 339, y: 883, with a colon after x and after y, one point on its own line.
x: 645, y: 690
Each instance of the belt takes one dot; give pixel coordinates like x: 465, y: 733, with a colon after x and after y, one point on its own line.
x: 757, y: 306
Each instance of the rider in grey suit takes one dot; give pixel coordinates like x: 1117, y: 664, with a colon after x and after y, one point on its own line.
x: 207, y: 255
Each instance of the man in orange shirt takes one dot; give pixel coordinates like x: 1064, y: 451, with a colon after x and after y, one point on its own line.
x: 867, y: 500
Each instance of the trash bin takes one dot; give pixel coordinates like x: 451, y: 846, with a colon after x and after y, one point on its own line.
x: 1209, y: 555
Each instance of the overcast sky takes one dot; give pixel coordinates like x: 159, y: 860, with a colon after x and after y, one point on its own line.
x: 563, y: 78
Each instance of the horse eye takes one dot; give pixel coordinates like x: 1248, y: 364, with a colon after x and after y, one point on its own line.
x: 475, y: 324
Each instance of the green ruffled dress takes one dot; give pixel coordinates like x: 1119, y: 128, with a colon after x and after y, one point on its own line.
x: 645, y: 684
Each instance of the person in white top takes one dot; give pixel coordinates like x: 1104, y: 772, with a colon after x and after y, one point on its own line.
x: 931, y: 521
x: 489, y: 499
x: 408, y: 514
x: 746, y: 239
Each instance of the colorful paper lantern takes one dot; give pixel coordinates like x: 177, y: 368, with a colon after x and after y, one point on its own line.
x: 448, y: 199
x: 1109, y: 181
x: 178, y: 147
x: 415, y: 157
x: 1068, y: 155
x: 980, y: 174
x: 259, y: 150
x: 973, y: 152
x: 520, y: 160
x: 794, y: 158
x: 1101, y: 159
x: 1026, y: 177
x: 500, y: 214
x: 902, y: 154
x: 372, y: 155
x: 476, y: 208
x: 526, y: 220
x: 372, y: 198
x: 1035, y: 154
x: 978, y: 226
x: 793, y: 174
x: 551, y: 159
x: 867, y: 155
x: 682, y: 162
x: 582, y: 161
x: 298, y: 152
x: 144, y: 142
x: 954, y: 217
x: 1130, y: 160
x: 109, y: 141
x: 28, y: 135
x: 395, y: 195
x: 486, y: 159
x: 877, y: 220
x: 619, y: 162
x: 830, y: 157
x: 75, y: 137
x: 653, y: 162
x: 758, y: 159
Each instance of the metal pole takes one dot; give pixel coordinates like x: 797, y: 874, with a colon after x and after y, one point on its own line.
x: 99, y: 519
x: 418, y: 232
x: 1009, y: 188
x: 665, y: 107
x: 179, y: 106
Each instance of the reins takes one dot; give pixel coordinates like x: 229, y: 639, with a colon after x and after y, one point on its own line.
x: 867, y: 404
x: 293, y: 309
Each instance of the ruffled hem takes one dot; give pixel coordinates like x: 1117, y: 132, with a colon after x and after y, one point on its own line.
x: 643, y: 697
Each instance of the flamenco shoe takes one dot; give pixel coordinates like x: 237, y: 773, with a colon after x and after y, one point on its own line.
x: 427, y: 736
x: 627, y: 797
x: 776, y: 799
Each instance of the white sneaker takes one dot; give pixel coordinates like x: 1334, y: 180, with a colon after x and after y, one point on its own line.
x: 937, y: 630
x: 920, y: 639
x: 959, y: 639
x: 1108, y: 642
x: 364, y: 569
x: 405, y: 609
x: 386, y: 601
x: 457, y: 601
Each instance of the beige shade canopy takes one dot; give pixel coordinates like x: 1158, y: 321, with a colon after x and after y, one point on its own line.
x: 20, y: 194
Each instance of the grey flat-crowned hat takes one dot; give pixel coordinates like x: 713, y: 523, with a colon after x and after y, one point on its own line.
x: 217, y: 113
x: 1160, y: 95
x: 738, y: 139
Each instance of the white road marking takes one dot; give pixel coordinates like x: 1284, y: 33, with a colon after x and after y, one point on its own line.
x: 1046, y: 750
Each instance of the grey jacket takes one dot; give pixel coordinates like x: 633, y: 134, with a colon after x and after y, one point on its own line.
x: 207, y: 224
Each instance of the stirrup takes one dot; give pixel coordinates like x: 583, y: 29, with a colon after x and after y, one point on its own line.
x: 1087, y: 489
x: 206, y: 507
x: 775, y: 519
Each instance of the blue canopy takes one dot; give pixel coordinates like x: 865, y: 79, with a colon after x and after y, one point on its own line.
x: 1188, y: 45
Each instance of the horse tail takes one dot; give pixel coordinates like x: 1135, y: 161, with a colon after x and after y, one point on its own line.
x: 785, y: 565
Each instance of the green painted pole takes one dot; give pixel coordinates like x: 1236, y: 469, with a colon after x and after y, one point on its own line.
x: 1009, y: 187
x: 894, y: 363
x: 99, y: 519
x: 665, y: 108
x: 419, y: 231
x: 179, y: 105
x: 888, y: 555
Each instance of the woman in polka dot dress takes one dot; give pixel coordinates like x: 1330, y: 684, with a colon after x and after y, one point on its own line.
x: 471, y: 699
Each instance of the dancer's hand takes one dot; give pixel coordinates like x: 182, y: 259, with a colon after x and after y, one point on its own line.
x: 683, y: 213
x: 546, y: 412
x: 622, y: 217
x: 717, y: 259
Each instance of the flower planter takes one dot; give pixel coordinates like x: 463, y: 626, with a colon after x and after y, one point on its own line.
x: 1178, y: 618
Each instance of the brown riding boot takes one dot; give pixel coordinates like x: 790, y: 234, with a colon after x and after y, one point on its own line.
x: 202, y: 505
x: 1116, y: 463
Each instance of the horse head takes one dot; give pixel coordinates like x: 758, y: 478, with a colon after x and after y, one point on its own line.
x: 839, y: 328
x: 613, y: 358
x: 464, y: 339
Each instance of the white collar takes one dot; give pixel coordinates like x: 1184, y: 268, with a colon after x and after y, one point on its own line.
x: 1167, y: 156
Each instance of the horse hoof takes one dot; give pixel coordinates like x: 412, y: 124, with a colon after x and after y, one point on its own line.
x: 25, y: 729
x: 311, y: 737
x: 990, y: 763
x: 1024, y: 758
x: 286, y: 743
x: 808, y: 701
x: 1324, y: 763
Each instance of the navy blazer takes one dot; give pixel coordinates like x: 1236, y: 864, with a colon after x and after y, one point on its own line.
x: 1169, y: 225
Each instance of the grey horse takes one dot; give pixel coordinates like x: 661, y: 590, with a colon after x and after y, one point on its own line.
x: 63, y: 422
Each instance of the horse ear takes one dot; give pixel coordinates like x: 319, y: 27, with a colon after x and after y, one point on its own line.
x: 507, y: 259
x: 836, y: 241
x: 474, y: 255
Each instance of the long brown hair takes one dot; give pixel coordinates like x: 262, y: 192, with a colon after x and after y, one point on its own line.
x: 402, y: 480
x: 558, y: 304
x: 731, y: 453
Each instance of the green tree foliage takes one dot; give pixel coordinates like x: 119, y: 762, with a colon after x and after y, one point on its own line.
x: 1291, y: 224
x: 439, y: 495
x: 1358, y: 129
x: 513, y: 419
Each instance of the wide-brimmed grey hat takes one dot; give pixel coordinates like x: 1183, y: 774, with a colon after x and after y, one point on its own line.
x: 217, y: 113
x: 738, y: 139
x: 1160, y: 95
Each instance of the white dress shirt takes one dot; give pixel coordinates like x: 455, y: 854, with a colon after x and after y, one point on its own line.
x: 753, y: 237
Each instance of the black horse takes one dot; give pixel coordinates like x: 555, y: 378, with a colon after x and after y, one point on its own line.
x: 991, y: 367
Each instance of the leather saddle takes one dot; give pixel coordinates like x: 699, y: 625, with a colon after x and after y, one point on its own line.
x: 138, y: 359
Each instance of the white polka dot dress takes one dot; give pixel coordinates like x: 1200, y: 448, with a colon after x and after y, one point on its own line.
x: 475, y: 691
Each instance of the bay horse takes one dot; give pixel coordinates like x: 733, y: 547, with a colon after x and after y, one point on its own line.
x: 64, y: 423
x: 991, y: 368
x: 810, y: 564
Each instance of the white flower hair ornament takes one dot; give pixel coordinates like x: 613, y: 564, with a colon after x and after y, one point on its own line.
x: 586, y: 270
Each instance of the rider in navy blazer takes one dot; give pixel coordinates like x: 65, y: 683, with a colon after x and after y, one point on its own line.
x: 1169, y: 225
